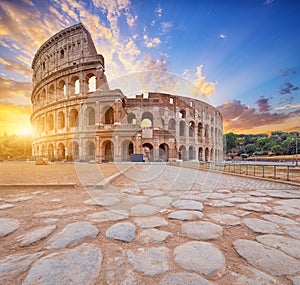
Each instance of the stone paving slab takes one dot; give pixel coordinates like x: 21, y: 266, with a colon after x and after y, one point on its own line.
x: 76, y: 266
x: 184, y: 279
x: 72, y: 234
x: 34, y: 236
x: 121, y: 231
x: 202, y: 230
x: 201, y: 257
x: 268, y: 259
x: 8, y: 225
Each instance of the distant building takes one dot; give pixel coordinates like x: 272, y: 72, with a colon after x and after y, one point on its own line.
x: 77, y: 117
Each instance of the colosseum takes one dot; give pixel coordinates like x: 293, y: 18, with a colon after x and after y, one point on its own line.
x: 76, y: 117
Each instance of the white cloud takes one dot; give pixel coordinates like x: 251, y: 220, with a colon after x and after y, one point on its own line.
x: 159, y: 12
x: 287, y: 107
x: 151, y: 42
x: 222, y: 36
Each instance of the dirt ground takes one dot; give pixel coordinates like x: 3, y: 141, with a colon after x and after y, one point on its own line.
x: 75, y: 197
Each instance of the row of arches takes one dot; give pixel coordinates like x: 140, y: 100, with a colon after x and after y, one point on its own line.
x: 62, y: 89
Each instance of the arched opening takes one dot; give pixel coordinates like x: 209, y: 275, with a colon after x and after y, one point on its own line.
x: 109, y: 116
x: 51, y: 93
x: 60, y: 120
x: 200, y: 154
x: 50, y: 152
x: 43, y: 98
x: 74, y: 85
x: 92, y: 84
x: 212, y: 133
x: 164, y: 152
x: 172, y: 125
x: 182, y: 114
x: 206, y: 154
x: 200, y: 131
x: 192, y: 155
x: 108, y: 149
x: 43, y: 150
x: 127, y: 150
x: 148, y: 152
x: 41, y: 125
x: 50, y: 123
x: 90, y: 150
x: 62, y: 53
x: 131, y: 119
x: 147, y: 119
x: 182, y: 128
x: 212, y: 154
x: 61, y: 151
x: 73, y: 120
x: 90, y: 116
x: 191, y: 129
x: 75, y: 151
x: 206, y: 135
x: 62, y: 89
x: 182, y: 152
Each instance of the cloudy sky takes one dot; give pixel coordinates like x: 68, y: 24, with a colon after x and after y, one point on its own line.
x: 244, y: 56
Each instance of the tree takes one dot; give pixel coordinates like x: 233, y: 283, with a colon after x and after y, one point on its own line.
x: 230, y: 142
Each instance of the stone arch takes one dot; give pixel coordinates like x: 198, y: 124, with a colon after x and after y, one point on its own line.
x: 191, y: 129
x: 89, y: 116
x: 192, y: 154
x: 92, y: 82
x: 212, y: 133
x: 200, y: 130
x: 212, y: 154
x: 51, y: 93
x: 42, y: 99
x: 182, y: 114
x: 108, y: 150
x: 50, y: 152
x: 172, y: 125
x: 182, y: 128
x: 75, y: 150
x: 109, y: 116
x: 206, y: 154
x: 62, y: 89
x: 60, y: 120
x: 147, y: 119
x: 43, y: 150
x: 200, y: 154
x: 206, y: 132
x: 164, y: 152
x: 182, y: 152
x: 50, y: 122
x: 90, y: 150
x: 61, y: 153
x: 127, y: 150
x: 75, y: 85
x: 131, y: 119
x: 73, y: 118
x: 148, y: 151
x: 41, y: 124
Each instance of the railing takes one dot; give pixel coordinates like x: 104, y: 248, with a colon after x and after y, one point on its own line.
x: 270, y: 171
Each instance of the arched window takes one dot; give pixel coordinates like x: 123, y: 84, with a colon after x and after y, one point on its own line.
x: 200, y: 130
x: 73, y: 120
x: 182, y: 128
x: 92, y: 84
x: 90, y: 116
x: 147, y: 119
x: 182, y: 153
x: 182, y: 114
x: 109, y: 116
x: 51, y: 93
x: 77, y: 87
x: 172, y: 125
x: 191, y: 129
x: 62, y: 53
x: 60, y: 120
x: 61, y: 153
x: 206, y: 132
x: 131, y: 119
x: 62, y: 89
x: 50, y: 123
x: 191, y: 153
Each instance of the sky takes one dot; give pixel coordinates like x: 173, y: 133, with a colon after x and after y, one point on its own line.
x: 241, y: 56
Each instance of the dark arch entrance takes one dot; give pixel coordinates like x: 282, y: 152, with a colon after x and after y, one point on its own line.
x: 164, y: 152
x: 148, y: 151
x: 108, y: 151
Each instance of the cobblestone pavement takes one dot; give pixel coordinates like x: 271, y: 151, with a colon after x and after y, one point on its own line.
x: 154, y: 224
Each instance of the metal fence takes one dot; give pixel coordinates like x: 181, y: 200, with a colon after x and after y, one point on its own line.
x: 270, y: 171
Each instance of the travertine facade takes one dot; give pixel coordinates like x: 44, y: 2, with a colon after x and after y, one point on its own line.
x: 76, y: 116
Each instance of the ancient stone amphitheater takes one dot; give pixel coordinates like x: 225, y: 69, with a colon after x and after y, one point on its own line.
x: 76, y: 117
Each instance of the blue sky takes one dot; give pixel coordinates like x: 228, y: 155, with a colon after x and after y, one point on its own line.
x: 244, y: 56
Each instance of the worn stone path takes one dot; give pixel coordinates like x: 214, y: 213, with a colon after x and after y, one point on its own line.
x: 155, y: 224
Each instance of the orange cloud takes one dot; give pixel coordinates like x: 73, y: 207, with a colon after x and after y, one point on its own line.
x: 239, y: 118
